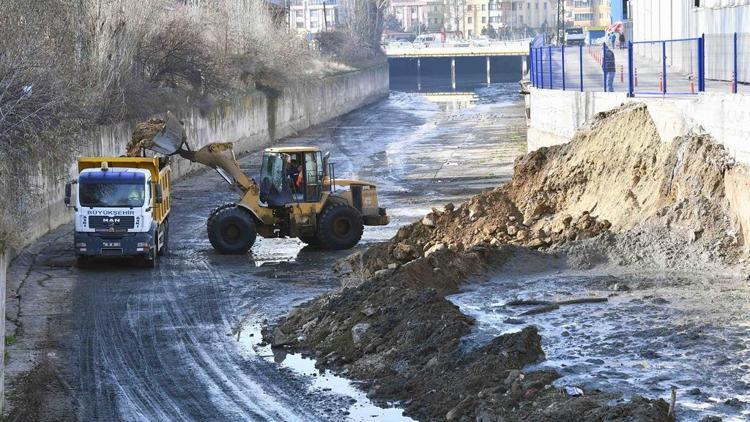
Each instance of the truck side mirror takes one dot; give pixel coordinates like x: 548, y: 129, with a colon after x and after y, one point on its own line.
x: 159, y: 194
x: 68, y: 193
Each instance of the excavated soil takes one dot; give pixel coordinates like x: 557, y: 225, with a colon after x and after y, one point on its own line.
x: 614, y: 195
x: 143, y: 136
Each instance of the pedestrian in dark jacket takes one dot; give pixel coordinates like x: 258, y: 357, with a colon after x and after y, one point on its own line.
x: 609, y: 68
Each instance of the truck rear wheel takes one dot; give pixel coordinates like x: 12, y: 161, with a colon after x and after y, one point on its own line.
x: 231, y: 231
x: 340, y: 227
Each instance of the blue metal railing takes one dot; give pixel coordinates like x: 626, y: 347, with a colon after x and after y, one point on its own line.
x: 659, y: 67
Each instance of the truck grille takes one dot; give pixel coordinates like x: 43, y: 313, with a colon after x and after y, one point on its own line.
x: 100, y: 222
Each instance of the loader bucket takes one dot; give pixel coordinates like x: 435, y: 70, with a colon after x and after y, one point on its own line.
x: 171, y: 138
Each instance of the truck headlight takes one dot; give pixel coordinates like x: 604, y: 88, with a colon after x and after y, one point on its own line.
x: 80, y: 245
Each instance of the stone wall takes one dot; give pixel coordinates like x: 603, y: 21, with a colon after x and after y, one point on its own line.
x: 251, y: 122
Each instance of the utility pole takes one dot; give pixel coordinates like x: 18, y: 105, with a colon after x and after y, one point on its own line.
x: 325, y: 18
x: 561, y: 21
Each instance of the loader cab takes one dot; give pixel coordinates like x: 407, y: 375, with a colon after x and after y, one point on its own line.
x: 291, y: 175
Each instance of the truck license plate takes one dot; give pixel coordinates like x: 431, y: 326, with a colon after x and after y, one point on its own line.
x: 111, y: 244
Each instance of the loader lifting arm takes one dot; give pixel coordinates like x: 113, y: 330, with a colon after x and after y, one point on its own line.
x: 172, y: 139
x: 220, y: 157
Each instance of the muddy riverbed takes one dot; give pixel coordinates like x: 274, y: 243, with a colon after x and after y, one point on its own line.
x: 117, y: 342
x: 657, y: 331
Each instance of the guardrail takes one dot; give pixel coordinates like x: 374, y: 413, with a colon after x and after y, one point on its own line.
x: 458, y: 49
x: 684, y: 66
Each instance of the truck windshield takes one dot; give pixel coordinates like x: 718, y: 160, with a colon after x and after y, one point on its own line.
x: 112, y: 189
x: 574, y: 30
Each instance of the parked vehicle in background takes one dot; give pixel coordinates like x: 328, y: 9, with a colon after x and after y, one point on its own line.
x: 574, y: 36
x: 425, y: 40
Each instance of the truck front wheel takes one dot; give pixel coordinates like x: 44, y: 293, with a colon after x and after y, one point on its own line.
x: 231, y: 231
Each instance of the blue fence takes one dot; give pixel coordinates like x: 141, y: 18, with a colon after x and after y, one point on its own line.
x: 675, y: 67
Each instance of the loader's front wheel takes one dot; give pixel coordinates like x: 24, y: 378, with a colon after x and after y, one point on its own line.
x: 340, y: 227
x: 231, y: 231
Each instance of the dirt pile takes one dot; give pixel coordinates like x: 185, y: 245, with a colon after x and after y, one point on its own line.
x: 144, y: 135
x: 666, y: 202
x: 615, y: 194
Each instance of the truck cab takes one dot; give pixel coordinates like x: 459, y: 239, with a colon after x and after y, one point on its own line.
x: 121, y: 208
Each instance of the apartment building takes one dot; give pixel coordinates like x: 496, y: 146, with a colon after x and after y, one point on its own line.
x: 411, y: 13
x: 313, y: 16
x: 591, y: 14
x: 472, y: 17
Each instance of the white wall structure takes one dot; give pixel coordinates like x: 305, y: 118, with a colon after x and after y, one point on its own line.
x: 678, y: 19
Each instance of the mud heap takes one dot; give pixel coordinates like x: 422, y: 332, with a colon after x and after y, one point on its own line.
x: 614, y: 195
x: 144, y: 135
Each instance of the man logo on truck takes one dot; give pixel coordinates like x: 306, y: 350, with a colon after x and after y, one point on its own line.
x: 111, y: 221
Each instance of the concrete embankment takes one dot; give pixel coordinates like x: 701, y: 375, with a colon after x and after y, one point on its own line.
x: 4, y: 258
x: 251, y: 122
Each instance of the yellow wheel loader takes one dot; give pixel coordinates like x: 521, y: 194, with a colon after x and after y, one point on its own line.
x: 298, y: 195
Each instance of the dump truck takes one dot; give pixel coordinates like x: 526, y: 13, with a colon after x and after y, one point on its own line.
x: 122, y: 207
x: 298, y: 195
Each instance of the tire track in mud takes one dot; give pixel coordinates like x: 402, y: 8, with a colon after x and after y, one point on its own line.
x: 134, y: 378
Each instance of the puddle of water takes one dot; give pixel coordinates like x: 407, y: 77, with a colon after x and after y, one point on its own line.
x: 654, y: 333
x: 360, y: 409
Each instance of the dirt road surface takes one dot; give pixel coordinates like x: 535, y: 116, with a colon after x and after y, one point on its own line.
x: 122, y: 343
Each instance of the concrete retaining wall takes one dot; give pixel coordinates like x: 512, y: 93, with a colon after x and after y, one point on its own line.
x: 251, y: 122
x: 4, y: 258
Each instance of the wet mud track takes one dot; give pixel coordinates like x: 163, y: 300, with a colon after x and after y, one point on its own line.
x: 162, y: 344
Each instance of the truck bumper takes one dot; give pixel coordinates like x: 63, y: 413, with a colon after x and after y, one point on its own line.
x: 124, y: 245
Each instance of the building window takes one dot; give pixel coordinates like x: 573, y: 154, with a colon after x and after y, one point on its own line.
x: 484, y: 20
x: 584, y: 16
x: 469, y: 19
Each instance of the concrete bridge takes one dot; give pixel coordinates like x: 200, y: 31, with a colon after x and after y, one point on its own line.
x: 458, y: 49
x: 431, y: 52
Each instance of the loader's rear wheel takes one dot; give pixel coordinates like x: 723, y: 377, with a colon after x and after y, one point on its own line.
x: 231, y: 231
x: 340, y: 227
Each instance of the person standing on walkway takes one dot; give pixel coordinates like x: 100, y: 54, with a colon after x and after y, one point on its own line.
x: 622, y: 40
x: 609, y: 68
